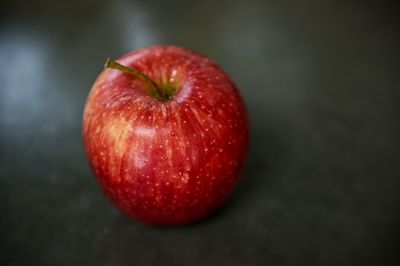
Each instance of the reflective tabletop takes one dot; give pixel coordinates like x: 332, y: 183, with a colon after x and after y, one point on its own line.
x: 321, y: 84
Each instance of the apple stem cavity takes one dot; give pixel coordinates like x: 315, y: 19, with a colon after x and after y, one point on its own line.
x: 157, y: 93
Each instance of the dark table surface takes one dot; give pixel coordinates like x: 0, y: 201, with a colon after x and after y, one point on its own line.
x: 321, y: 82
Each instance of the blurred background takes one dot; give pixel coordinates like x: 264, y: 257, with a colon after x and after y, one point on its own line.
x: 321, y: 82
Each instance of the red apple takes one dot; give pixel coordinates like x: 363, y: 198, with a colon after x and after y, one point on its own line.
x: 166, y: 134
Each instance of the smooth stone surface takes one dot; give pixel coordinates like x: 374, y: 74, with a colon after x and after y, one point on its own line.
x: 321, y: 81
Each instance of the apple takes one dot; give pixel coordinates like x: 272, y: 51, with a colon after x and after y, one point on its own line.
x: 166, y: 134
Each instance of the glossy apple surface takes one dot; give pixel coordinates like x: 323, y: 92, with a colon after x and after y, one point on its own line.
x: 171, y: 160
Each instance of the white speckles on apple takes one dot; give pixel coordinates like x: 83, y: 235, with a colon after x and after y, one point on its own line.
x: 168, y: 153
x: 185, y: 178
x: 173, y: 75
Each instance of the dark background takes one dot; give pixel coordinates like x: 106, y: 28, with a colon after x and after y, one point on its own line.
x: 321, y: 82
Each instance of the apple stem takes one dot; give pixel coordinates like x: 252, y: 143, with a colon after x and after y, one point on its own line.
x: 134, y: 72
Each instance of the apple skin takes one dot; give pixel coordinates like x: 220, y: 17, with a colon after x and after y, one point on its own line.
x: 166, y: 162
